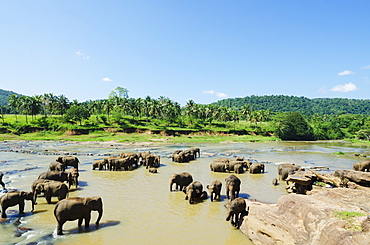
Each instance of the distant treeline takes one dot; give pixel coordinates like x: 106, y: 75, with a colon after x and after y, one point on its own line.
x: 4, y: 96
x: 303, y: 105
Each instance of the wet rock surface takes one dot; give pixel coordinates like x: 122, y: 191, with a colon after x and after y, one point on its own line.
x: 311, y: 219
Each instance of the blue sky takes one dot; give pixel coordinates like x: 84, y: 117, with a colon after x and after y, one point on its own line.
x: 182, y: 49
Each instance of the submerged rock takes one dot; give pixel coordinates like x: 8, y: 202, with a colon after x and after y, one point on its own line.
x: 310, y: 219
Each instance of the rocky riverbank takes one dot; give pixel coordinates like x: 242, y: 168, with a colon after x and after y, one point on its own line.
x: 326, y: 216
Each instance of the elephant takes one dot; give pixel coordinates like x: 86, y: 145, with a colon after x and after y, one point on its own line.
x: 238, y: 168
x: 257, y: 168
x: 33, y: 187
x: 190, y: 154
x: 150, y: 161
x: 181, y: 180
x: 220, y: 165
x: 362, y: 166
x: 77, y: 208
x: 179, y: 156
x: 285, y: 172
x: 236, y: 209
x: 142, y: 156
x: 73, y: 173
x: 232, y: 187
x: 153, y: 170
x: 52, y: 189
x: 196, y: 151
x: 275, y: 181
x: 13, y: 198
x: 100, y: 164
x: 215, y: 190
x: 69, y: 161
x: 157, y: 161
x: 133, y: 156
x: 194, y: 190
x: 58, y: 176
x: 57, y: 166
x: 288, y: 165
x: 109, y: 162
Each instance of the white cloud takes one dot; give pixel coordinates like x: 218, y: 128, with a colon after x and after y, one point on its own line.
x: 343, y: 73
x: 349, y: 87
x: 322, y: 90
x: 82, y: 55
x: 107, y: 79
x: 218, y: 94
x: 366, y: 67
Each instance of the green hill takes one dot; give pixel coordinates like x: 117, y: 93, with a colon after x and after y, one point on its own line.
x: 4, y: 96
x: 303, y: 105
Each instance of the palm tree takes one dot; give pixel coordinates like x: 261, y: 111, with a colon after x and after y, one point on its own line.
x: 14, y: 102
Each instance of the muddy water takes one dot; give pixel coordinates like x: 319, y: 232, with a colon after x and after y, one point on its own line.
x: 138, y: 206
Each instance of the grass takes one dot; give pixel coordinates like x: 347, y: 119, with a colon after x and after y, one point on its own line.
x: 350, y: 218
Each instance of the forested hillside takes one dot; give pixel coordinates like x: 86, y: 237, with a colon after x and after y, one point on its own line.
x: 4, y: 96
x: 303, y: 105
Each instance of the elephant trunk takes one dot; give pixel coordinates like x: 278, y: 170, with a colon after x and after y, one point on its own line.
x: 171, y: 184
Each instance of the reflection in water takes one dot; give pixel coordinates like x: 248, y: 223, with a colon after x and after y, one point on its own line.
x: 138, y: 206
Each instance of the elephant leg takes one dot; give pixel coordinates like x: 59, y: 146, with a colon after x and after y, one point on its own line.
x: 3, y: 212
x: 48, y: 198
x: 227, y: 193
x: 21, y: 207
x: 87, y: 221
x: 60, y: 228
x: 80, y: 222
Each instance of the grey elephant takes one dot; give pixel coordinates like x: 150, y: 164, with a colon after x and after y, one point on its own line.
x: 73, y: 174
x: 215, y: 190
x: 232, y: 187
x: 99, y: 164
x: 190, y: 154
x: 58, y: 176
x: 153, y: 170
x: 275, y: 181
x: 288, y: 165
x: 33, y: 187
x: 77, y: 208
x: 194, y: 190
x: 256, y: 168
x: 219, y: 165
x: 150, y: 161
x: 142, y: 156
x: 196, y: 151
x: 236, y: 209
x: 52, y: 189
x: 157, y: 160
x: 57, y: 166
x: 134, y: 158
x: 285, y: 172
x: 13, y: 198
x: 72, y: 161
x: 362, y: 166
x: 238, y: 169
x: 179, y: 156
x: 181, y: 180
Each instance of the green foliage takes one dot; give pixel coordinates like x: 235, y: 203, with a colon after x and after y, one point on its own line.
x: 349, y: 217
x: 292, y: 126
x: 77, y: 113
x: 303, y: 105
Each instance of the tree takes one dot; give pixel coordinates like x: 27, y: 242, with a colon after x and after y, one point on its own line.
x: 292, y: 126
x: 77, y: 113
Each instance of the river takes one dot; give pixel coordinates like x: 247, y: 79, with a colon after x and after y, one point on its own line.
x: 138, y: 206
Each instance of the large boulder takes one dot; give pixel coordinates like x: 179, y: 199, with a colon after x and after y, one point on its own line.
x: 359, y: 177
x: 310, y: 219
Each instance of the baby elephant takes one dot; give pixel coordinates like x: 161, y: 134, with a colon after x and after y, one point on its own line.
x: 215, y: 190
x: 236, y: 211
x: 77, y: 208
x: 52, y: 189
x: 193, y: 191
x: 15, y: 198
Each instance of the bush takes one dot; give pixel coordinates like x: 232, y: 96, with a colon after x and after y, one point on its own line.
x: 292, y: 126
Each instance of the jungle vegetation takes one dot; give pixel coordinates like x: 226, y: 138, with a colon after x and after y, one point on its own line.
x: 283, y: 117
